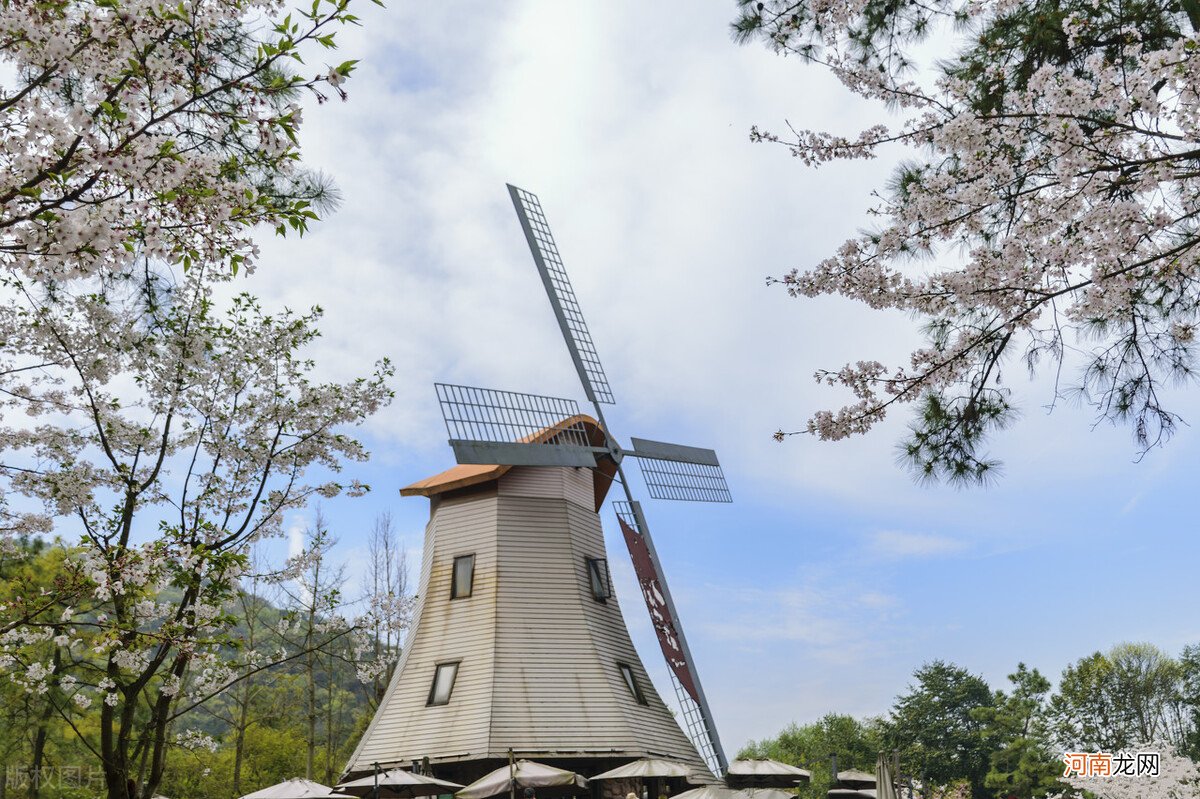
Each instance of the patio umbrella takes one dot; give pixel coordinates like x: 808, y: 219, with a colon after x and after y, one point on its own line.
x: 885, y: 784
x: 296, y: 788
x: 647, y: 767
x: 711, y: 792
x: 855, y: 779
x: 522, y: 774
x: 766, y: 793
x: 398, y: 783
x: 850, y: 793
x: 764, y: 773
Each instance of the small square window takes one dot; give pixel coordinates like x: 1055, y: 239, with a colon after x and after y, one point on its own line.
x: 443, y: 683
x: 463, y: 579
x: 631, y: 683
x: 598, y: 576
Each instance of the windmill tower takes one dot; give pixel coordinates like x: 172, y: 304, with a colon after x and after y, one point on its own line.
x: 518, y: 643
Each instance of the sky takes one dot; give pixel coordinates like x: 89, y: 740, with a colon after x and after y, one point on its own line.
x: 832, y: 575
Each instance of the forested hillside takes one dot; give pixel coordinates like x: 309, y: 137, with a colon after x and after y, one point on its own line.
x: 306, y: 667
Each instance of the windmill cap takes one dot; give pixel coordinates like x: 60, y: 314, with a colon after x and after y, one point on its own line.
x: 466, y: 475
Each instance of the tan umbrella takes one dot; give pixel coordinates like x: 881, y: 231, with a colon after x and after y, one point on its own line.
x: 855, y: 779
x: 296, y: 788
x: 522, y: 774
x: 764, y: 773
x: 885, y: 783
x: 710, y: 792
x: 398, y: 783
x: 647, y: 767
x: 766, y: 793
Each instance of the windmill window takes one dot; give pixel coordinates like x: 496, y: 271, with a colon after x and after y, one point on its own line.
x: 598, y: 577
x: 443, y: 683
x: 631, y: 683
x: 463, y: 578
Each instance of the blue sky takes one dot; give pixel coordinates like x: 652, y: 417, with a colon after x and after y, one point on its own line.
x: 832, y: 576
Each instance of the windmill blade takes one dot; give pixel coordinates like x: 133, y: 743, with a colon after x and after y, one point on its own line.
x: 661, y: 450
x: 506, y: 427
x: 697, y: 716
x: 673, y: 471
x: 562, y: 295
x: 514, y: 454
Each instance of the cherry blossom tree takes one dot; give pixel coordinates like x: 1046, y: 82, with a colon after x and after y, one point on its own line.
x: 1048, y: 215
x: 171, y: 437
x: 144, y: 144
x: 140, y: 128
x: 140, y: 133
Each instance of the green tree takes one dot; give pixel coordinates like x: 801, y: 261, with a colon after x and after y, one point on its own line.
x: 936, y: 727
x: 1132, y: 694
x: 1189, y: 700
x: 253, y: 724
x: 812, y: 746
x: 1014, y: 730
x: 36, y: 584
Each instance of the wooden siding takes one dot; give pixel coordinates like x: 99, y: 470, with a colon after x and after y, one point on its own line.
x: 538, y: 653
x: 404, y: 728
x: 573, y: 484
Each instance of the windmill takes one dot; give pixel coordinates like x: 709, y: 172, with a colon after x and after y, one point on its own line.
x: 481, y: 424
x: 518, y: 646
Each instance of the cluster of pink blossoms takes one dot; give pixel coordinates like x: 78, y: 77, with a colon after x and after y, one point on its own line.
x: 1055, y: 219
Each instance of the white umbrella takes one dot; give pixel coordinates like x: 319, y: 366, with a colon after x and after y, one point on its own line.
x: 523, y: 774
x: 765, y: 767
x: 885, y: 784
x: 398, y: 782
x: 764, y: 773
x: 856, y: 779
x: 296, y: 788
x: 711, y: 792
x: 647, y: 767
x: 766, y: 793
x: 850, y: 793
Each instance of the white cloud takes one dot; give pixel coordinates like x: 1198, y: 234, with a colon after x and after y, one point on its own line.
x: 901, y: 544
x: 836, y: 618
x: 295, y: 533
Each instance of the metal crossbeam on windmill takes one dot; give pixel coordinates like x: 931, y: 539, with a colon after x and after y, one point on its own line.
x: 487, y: 426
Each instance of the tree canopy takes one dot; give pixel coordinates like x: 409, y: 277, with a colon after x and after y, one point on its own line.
x: 955, y: 736
x: 936, y: 725
x: 814, y: 746
x: 1047, y: 215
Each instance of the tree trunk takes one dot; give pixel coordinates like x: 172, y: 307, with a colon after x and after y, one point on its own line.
x: 329, y: 719
x: 250, y: 609
x: 312, y: 716
x: 39, y: 738
x: 310, y: 660
x: 239, y: 740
